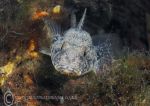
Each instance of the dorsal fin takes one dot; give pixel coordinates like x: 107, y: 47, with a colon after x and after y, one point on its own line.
x: 82, y: 20
x: 53, y: 30
x: 73, y: 20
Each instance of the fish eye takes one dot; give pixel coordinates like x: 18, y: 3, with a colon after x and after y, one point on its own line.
x: 84, y: 51
x: 84, y: 54
x: 63, y: 45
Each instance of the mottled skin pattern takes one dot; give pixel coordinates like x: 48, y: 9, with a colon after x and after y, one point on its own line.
x: 73, y: 53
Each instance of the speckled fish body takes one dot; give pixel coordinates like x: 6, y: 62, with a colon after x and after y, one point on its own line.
x: 73, y: 52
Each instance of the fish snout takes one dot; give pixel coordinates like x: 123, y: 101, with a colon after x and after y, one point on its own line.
x: 68, y: 71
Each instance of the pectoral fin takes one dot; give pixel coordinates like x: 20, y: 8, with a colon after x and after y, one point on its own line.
x: 45, y: 51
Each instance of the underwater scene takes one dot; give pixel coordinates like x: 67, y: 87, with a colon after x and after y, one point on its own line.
x: 74, y: 53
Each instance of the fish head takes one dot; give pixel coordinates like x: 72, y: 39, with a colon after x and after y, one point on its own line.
x: 75, y: 56
x: 70, y: 60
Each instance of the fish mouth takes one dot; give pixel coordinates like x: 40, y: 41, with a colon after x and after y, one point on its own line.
x: 68, y: 71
